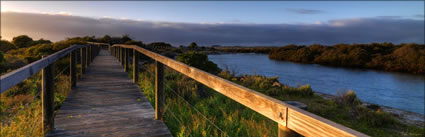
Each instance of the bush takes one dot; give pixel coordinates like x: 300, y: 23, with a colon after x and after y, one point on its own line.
x: 6, y: 46
x: 383, y: 56
x: 348, y: 98
x: 200, y: 61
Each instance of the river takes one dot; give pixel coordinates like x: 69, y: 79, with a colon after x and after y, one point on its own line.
x: 397, y: 90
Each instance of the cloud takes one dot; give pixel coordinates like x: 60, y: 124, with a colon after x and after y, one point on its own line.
x: 305, y: 11
x: 390, y: 17
x: 361, y: 30
x: 421, y: 16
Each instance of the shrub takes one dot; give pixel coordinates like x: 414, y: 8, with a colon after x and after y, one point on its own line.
x: 348, y: 98
x: 200, y: 61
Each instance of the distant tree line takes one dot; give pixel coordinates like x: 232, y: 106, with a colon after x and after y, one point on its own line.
x: 238, y: 49
x: 381, y: 56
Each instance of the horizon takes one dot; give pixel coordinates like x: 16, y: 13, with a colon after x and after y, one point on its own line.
x: 220, y: 23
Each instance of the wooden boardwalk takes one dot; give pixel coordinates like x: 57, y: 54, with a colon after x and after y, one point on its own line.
x: 107, y: 103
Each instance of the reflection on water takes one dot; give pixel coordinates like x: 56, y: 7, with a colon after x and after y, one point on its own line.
x: 398, y: 90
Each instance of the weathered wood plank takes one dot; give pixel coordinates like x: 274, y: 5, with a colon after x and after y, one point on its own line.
x: 107, y: 103
x: 270, y: 107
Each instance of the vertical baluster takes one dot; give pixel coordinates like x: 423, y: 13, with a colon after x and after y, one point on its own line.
x: 135, y: 66
x: 72, y: 70
x: 47, y: 97
x: 83, y: 60
x: 126, y: 54
x: 159, y: 90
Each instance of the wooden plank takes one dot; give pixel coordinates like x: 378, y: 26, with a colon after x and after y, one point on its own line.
x: 135, y: 66
x: 159, y: 90
x: 107, y: 103
x: 12, y: 78
x: 272, y: 108
x: 47, y: 97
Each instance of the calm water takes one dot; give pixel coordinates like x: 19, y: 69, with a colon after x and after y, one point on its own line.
x: 403, y: 91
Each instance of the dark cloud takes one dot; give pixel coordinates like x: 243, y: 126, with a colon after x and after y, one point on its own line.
x: 305, y: 11
x: 366, y: 30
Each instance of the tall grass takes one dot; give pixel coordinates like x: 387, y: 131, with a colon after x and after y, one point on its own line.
x: 20, y: 106
x: 189, y: 114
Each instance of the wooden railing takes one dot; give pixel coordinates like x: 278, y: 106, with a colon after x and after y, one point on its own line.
x: 288, y: 117
x: 45, y: 65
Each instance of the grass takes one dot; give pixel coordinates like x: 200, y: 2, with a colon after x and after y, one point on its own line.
x: 189, y: 118
x: 198, y: 116
x: 20, y: 106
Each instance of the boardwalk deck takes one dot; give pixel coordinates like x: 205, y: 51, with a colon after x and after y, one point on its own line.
x: 107, y: 103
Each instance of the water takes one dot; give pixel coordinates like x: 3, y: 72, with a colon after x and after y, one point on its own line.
x: 397, y: 90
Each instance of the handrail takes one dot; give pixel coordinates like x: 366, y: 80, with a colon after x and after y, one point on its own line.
x: 286, y: 115
x: 12, y: 78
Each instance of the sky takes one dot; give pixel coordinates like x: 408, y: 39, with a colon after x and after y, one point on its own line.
x: 220, y: 23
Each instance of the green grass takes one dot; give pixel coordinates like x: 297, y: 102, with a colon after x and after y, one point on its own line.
x: 20, y: 106
x: 237, y: 120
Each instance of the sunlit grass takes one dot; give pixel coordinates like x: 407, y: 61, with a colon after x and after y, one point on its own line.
x: 235, y: 119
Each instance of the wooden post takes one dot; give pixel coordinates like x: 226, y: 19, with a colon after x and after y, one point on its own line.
x: 88, y: 56
x: 47, y: 98
x: 135, y: 66
x: 91, y: 54
x: 284, y: 131
x: 159, y: 90
x: 126, y: 67
x: 72, y: 68
x: 122, y: 57
x: 119, y: 54
x: 83, y: 60
x: 116, y: 51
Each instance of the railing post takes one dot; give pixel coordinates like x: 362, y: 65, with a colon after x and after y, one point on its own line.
x: 72, y: 68
x: 91, y: 54
x: 88, y: 61
x: 284, y: 131
x: 47, y: 98
x: 83, y: 60
x: 126, y: 67
x: 159, y: 90
x: 135, y: 66
x: 122, y: 56
x: 115, y: 52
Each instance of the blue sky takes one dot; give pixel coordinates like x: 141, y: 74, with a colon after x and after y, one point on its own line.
x: 224, y: 12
